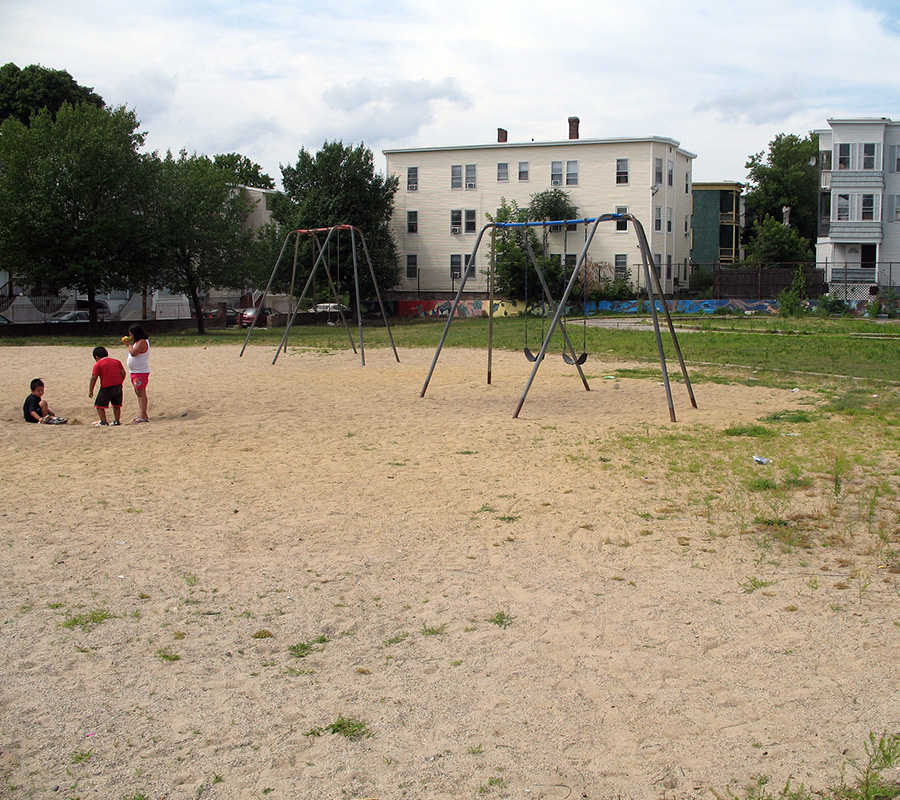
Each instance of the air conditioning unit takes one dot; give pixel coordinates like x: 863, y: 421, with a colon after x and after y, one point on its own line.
x: 555, y: 183
x: 412, y: 187
x: 455, y: 229
x: 470, y: 185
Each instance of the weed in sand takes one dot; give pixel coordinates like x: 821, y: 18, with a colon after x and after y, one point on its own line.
x: 434, y: 630
x: 164, y: 654
x: 81, y: 756
x: 501, y: 619
x: 348, y: 727
x: 750, y: 585
x: 88, y: 620
x: 303, y: 649
x: 395, y: 639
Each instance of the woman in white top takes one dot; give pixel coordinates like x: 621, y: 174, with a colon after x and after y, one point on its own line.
x: 138, y: 344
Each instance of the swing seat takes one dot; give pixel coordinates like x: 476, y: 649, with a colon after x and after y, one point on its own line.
x: 529, y: 355
x: 579, y: 361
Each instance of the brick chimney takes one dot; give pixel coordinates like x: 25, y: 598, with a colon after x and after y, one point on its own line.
x: 502, y: 135
x: 573, y: 127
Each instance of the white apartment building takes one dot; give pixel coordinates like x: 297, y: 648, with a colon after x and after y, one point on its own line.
x: 858, y: 240
x: 445, y: 194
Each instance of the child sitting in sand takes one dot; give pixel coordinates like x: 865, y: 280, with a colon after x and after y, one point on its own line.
x: 36, y: 409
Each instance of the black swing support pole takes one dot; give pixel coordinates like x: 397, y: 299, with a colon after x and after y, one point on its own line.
x: 462, y: 285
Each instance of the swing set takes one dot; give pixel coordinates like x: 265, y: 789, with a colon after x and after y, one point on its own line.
x: 323, y: 251
x: 654, y: 290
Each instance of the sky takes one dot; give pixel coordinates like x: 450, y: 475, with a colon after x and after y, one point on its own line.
x: 266, y: 78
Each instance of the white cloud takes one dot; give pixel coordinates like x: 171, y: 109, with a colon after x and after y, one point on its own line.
x: 267, y: 77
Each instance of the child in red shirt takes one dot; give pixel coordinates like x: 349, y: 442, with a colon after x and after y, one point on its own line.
x: 111, y: 374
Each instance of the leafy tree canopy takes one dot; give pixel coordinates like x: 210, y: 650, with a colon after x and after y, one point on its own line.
x: 338, y: 185
x: 552, y: 204
x: 68, y: 198
x: 24, y: 92
x: 198, y: 226
x: 245, y: 171
x: 786, y: 176
x: 774, y: 244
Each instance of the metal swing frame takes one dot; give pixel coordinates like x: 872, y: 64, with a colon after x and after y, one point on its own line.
x: 314, y: 233
x: 654, y: 291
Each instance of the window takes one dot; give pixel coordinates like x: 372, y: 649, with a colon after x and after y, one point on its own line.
x: 412, y: 221
x: 668, y: 266
x: 687, y: 182
x: 843, y: 156
x: 657, y: 171
x: 470, y: 176
x: 621, y: 170
x: 620, y: 266
x: 621, y: 224
x: 571, y: 173
x: 523, y: 170
x: 657, y: 218
x: 843, y: 206
x: 412, y: 179
x: 412, y: 266
x: 571, y: 259
x: 668, y: 220
x: 868, y: 207
x: 893, y: 201
x: 868, y: 157
x: 470, y: 266
x: 502, y: 172
x: 456, y: 176
x: 556, y: 173
x: 455, y: 267
x: 456, y: 221
x: 470, y: 220
x: 687, y: 224
x: 657, y: 264
x: 671, y: 173
x: 894, y: 158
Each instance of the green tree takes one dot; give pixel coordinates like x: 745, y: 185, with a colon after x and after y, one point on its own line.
x: 551, y: 205
x: 338, y: 185
x: 68, y: 198
x: 774, y: 243
x: 785, y: 176
x: 511, y: 262
x: 245, y: 171
x: 24, y: 92
x: 197, y: 219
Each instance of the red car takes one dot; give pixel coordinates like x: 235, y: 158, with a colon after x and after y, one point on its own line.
x: 245, y: 316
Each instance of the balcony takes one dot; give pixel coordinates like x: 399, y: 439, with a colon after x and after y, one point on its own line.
x: 856, y: 179
x: 843, y: 230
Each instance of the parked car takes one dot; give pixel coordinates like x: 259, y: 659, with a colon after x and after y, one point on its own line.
x: 231, y: 315
x: 4, y: 320
x: 103, y: 313
x: 68, y: 316
x: 331, y: 308
x: 245, y: 316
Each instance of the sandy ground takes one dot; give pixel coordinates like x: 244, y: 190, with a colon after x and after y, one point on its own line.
x: 539, y: 607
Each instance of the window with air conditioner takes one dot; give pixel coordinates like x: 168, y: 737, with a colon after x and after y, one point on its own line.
x: 456, y: 221
x: 412, y: 179
x: 556, y: 173
x: 455, y: 267
x: 470, y: 176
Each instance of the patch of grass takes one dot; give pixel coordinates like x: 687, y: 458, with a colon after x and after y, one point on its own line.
x: 81, y: 756
x: 750, y: 585
x: 263, y: 634
x: 303, y: 649
x: 396, y: 639
x: 792, y: 415
x: 501, y: 619
x: 348, y: 727
x: 164, y: 654
x: 757, y: 431
x: 87, y: 620
x: 434, y: 630
x: 761, y: 485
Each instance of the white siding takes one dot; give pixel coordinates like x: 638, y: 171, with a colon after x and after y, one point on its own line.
x: 596, y: 193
